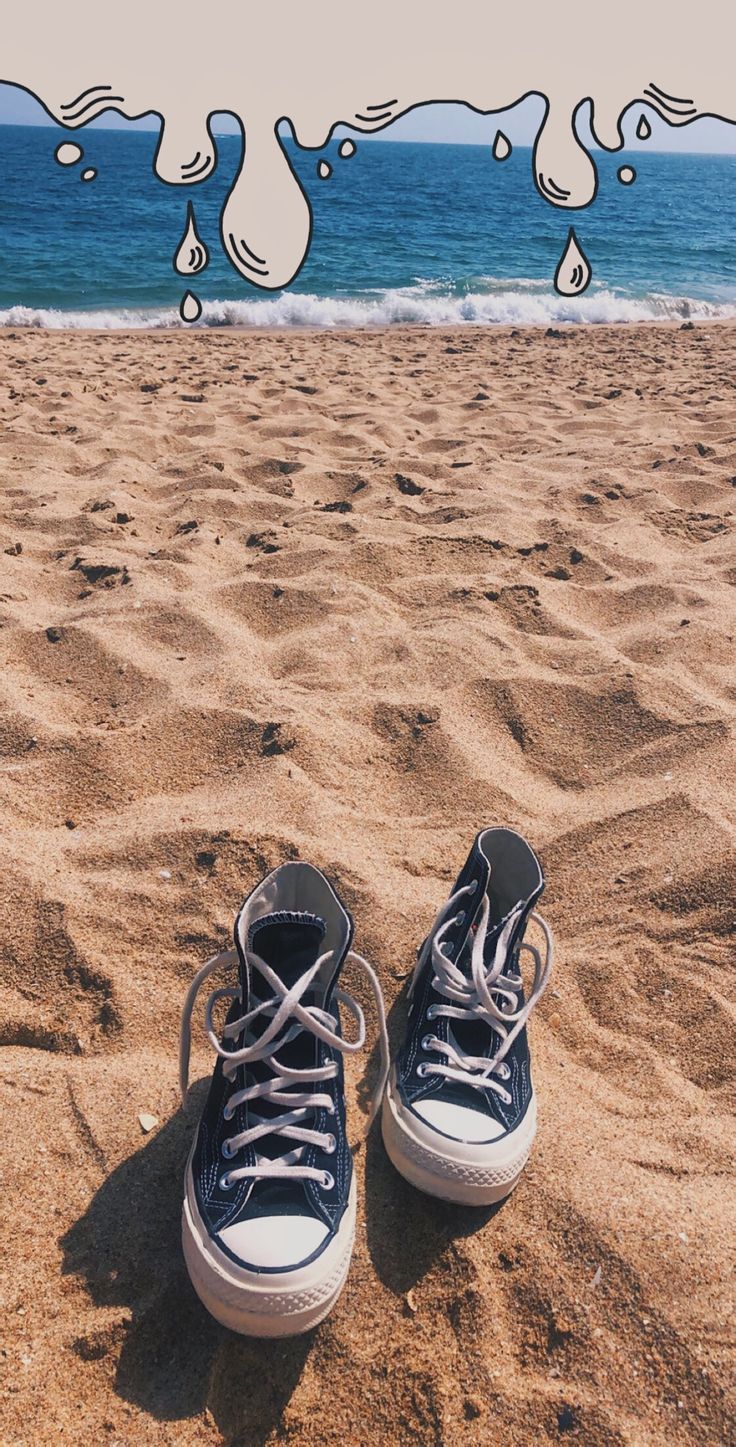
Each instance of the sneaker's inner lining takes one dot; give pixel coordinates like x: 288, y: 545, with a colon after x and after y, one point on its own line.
x: 515, y: 871
x: 298, y: 888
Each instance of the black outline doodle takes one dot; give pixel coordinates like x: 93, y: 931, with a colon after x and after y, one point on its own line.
x: 199, y: 256
x: 682, y: 111
x: 190, y: 296
x: 577, y: 275
x: 502, y: 148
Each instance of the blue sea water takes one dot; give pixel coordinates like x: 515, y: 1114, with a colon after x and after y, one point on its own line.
x: 402, y: 233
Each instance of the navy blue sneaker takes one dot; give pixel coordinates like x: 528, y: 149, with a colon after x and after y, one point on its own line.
x: 459, y: 1114
x: 269, y: 1207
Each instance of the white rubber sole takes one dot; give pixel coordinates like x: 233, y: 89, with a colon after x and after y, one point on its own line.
x: 459, y: 1171
x: 265, y: 1304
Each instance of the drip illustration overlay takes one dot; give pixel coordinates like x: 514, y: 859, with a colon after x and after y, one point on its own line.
x: 660, y: 59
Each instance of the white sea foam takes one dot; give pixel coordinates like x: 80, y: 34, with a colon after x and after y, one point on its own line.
x: 518, y: 304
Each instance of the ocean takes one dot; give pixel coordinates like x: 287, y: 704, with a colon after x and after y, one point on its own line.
x: 403, y: 232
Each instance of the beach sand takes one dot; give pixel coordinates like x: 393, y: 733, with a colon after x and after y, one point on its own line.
x: 351, y: 597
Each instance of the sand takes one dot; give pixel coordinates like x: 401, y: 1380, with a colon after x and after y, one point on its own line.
x: 350, y: 597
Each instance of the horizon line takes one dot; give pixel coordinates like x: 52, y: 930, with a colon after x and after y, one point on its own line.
x: 375, y: 139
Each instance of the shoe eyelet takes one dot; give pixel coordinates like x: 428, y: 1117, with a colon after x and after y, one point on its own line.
x: 227, y: 1113
x: 473, y: 886
x: 427, y: 1042
x: 421, y: 1070
x: 225, y: 1183
x: 448, y: 949
x: 461, y: 917
x: 430, y: 1013
x: 331, y: 1146
x: 328, y: 1181
x: 226, y: 1151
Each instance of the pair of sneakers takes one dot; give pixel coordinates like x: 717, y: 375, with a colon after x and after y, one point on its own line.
x: 270, y: 1195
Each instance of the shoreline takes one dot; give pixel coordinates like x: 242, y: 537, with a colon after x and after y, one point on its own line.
x: 379, y: 329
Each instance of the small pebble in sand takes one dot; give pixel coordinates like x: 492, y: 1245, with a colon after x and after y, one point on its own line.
x: 147, y: 1122
x: 408, y: 486
x: 164, y: 874
x: 411, y: 1303
x: 597, y: 1278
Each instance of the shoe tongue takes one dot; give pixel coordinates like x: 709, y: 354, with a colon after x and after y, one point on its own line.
x: 473, y: 1037
x: 290, y: 941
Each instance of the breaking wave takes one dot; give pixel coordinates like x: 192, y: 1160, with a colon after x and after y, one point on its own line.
x: 522, y: 303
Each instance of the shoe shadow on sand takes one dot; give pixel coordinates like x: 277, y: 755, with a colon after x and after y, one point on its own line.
x: 407, y: 1230
x: 175, y: 1361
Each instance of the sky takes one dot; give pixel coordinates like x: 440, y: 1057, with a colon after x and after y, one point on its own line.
x: 451, y: 123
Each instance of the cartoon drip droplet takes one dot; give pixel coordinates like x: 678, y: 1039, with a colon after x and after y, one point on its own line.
x: 68, y: 154
x: 191, y: 307
x: 347, y: 148
x: 643, y: 130
x: 626, y: 175
x: 502, y: 147
x: 90, y: 174
x: 574, y: 274
x: 324, y: 170
x: 192, y: 254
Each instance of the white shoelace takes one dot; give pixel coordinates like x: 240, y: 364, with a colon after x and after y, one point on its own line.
x: 488, y: 995
x: 286, y: 1018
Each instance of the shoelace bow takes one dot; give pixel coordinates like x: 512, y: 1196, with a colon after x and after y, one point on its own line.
x: 486, y: 994
x: 286, y: 1018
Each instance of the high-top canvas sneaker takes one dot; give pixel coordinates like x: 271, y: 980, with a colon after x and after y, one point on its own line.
x: 269, y: 1207
x: 459, y: 1114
